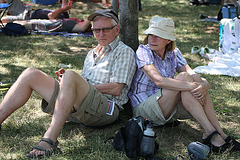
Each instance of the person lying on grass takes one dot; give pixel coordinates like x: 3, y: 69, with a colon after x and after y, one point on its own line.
x: 71, y: 25
x: 18, y: 11
x: 157, y: 95
x: 93, y: 98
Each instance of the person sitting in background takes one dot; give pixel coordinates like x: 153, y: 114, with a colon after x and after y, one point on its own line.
x: 18, y: 11
x: 156, y: 95
x: 93, y: 98
x: 71, y: 25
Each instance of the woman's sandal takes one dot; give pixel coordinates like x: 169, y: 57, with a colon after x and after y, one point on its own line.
x: 216, y: 149
x: 206, y: 141
x: 47, y: 153
x: 234, y: 145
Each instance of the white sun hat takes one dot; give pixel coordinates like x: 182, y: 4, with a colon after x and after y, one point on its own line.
x: 161, y: 27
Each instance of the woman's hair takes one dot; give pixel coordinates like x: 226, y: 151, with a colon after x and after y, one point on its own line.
x: 170, y: 47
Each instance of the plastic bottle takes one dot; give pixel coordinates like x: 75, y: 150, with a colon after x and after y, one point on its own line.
x: 147, y: 147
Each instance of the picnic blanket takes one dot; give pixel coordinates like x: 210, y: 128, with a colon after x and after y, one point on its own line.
x: 221, y: 64
x: 66, y: 34
x: 210, y: 19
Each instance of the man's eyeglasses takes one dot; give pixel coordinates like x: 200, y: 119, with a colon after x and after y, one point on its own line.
x: 107, y: 29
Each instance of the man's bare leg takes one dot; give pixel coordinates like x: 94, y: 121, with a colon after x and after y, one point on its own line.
x: 31, y: 79
x: 73, y: 90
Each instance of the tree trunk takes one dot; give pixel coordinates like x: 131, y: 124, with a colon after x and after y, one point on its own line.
x: 115, y: 5
x: 129, y: 22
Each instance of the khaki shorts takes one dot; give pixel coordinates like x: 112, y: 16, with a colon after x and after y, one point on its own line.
x: 150, y: 109
x: 92, y: 111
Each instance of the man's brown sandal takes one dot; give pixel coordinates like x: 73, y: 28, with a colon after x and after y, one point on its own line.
x: 47, y: 153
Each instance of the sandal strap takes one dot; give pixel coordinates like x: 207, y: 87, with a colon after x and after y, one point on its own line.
x: 228, y: 139
x: 51, y: 143
x: 209, y: 137
x: 46, y: 151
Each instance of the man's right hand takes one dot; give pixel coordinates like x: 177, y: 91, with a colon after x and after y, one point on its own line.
x: 60, y: 73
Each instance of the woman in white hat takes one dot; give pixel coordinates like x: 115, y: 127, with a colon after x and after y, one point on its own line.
x: 158, y: 95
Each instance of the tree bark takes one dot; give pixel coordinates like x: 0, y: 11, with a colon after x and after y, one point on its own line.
x: 129, y: 22
x: 114, y: 4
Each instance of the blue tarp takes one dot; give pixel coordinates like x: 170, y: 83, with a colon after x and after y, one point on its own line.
x: 4, y: 5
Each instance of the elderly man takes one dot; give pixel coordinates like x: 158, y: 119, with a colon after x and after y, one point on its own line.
x: 93, y: 98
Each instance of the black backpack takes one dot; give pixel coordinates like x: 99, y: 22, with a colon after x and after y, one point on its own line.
x: 14, y: 29
x: 128, y: 139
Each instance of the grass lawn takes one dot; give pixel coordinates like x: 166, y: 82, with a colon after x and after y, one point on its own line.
x: 24, y: 128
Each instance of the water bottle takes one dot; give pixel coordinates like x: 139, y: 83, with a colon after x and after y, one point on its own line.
x: 147, y: 147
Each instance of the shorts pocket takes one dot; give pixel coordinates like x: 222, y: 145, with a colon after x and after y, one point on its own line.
x: 97, y: 106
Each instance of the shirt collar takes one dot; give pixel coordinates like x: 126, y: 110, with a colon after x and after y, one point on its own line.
x: 168, y: 54
x: 114, y: 43
x: 99, y: 53
x: 110, y: 46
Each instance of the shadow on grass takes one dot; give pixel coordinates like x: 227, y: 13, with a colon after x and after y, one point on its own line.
x: 78, y: 140
x: 176, y: 137
x: 13, y: 72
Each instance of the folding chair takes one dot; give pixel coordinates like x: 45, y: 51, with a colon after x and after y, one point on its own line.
x: 3, y: 9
